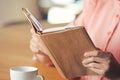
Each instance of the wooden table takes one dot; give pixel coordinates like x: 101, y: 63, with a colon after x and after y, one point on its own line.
x: 14, y: 51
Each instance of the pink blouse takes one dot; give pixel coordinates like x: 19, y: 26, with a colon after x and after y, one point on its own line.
x: 101, y: 19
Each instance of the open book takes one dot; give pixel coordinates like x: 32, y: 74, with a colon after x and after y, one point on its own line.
x: 65, y: 47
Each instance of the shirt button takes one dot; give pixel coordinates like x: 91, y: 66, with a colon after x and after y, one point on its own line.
x: 109, y: 33
x: 117, y: 16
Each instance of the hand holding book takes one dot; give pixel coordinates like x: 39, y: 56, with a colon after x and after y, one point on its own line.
x: 65, y: 47
x: 36, y: 47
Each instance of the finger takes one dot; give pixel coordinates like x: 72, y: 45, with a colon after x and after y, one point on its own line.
x: 35, y: 57
x: 33, y: 46
x: 91, y: 53
x: 44, y: 59
x: 102, y: 67
x: 34, y: 49
x: 98, y: 53
x: 98, y: 71
x: 37, y: 44
x: 32, y: 31
x: 34, y: 43
x: 94, y: 65
x: 95, y: 59
x: 35, y: 37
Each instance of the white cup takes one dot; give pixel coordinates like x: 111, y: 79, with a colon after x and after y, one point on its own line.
x: 25, y: 73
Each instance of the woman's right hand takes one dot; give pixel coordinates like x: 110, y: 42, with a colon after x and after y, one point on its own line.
x: 39, y: 52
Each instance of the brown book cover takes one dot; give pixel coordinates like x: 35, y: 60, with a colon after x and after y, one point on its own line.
x: 66, y: 47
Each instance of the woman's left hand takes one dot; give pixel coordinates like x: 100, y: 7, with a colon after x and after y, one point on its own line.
x: 102, y: 63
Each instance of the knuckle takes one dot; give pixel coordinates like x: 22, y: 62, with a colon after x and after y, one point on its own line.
x: 33, y: 48
x: 92, y: 58
x: 102, y: 72
x: 31, y: 41
x: 92, y: 64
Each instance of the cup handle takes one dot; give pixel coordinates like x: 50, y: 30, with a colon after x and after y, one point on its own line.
x: 41, y: 77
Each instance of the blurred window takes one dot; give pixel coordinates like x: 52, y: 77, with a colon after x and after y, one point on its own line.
x: 60, y: 11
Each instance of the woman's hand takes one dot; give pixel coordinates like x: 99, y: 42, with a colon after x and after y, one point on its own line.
x: 102, y: 63
x: 38, y: 50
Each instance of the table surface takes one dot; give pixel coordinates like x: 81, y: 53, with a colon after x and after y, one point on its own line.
x: 14, y: 51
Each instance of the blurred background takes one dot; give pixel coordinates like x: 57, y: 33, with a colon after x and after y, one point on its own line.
x: 53, y: 11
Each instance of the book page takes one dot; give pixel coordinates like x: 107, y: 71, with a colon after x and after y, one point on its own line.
x: 57, y: 28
